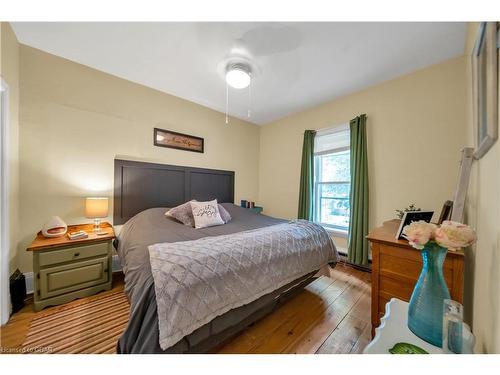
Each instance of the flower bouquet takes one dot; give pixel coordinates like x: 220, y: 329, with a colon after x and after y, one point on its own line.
x: 450, y: 235
x: 425, y: 311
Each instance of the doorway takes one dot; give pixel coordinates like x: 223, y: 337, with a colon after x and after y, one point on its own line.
x: 4, y: 203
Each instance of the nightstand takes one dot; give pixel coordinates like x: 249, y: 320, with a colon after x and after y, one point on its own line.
x: 65, y: 269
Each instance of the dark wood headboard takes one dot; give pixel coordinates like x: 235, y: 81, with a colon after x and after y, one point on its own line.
x: 140, y: 185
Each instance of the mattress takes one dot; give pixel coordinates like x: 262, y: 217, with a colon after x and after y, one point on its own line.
x: 152, y: 226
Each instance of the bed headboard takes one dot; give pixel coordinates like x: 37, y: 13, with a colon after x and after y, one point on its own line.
x: 140, y: 185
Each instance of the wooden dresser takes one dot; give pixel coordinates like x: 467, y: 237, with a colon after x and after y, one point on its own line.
x: 396, y: 267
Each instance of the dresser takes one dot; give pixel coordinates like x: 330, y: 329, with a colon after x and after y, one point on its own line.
x: 67, y: 269
x: 396, y: 267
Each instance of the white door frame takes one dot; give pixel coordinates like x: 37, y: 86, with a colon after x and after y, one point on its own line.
x: 4, y: 202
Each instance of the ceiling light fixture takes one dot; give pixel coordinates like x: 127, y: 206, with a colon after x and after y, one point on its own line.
x: 238, y: 76
x: 238, y: 73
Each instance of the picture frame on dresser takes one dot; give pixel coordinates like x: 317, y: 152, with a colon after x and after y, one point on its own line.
x: 411, y: 216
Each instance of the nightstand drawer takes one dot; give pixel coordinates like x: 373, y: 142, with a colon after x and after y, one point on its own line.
x: 74, y: 253
x: 62, y: 279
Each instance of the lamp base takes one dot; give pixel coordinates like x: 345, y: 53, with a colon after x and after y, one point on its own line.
x: 97, y: 228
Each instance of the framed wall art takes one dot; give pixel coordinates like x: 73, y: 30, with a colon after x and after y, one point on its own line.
x: 485, y: 87
x: 179, y: 141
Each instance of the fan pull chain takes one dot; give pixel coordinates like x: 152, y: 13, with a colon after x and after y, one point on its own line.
x: 227, y: 103
x: 249, y: 113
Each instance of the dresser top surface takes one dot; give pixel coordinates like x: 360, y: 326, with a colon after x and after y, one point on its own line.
x: 387, y: 234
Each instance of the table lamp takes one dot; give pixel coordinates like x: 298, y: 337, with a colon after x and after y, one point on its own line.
x: 96, y: 208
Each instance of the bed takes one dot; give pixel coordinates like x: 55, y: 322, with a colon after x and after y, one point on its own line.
x: 143, y: 193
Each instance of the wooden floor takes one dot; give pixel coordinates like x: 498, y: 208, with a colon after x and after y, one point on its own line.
x: 332, y: 315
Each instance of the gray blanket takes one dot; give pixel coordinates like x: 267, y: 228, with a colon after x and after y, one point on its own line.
x: 150, y: 227
x: 196, y: 281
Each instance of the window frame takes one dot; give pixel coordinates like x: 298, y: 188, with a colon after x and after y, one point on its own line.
x: 333, y: 229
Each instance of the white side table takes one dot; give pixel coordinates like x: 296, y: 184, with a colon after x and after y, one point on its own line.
x: 394, y: 328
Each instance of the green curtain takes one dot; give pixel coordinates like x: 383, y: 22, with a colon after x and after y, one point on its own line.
x: 358, y: 244
x: 306, y: 177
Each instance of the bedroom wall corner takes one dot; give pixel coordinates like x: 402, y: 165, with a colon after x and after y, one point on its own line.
x: 75, y: 120
x: 425, y: 107
x: 9, y: 70
x: 482, y: 211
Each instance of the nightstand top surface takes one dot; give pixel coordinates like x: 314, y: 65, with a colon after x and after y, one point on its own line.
x: 44, y: 243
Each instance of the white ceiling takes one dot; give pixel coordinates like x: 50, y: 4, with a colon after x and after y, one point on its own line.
x: 299, y: 65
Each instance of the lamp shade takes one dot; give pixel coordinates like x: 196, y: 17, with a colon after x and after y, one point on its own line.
x: 96, y: 207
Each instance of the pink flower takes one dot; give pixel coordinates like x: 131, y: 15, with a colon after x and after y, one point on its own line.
x: 419, y: 233
x: 454, y: 236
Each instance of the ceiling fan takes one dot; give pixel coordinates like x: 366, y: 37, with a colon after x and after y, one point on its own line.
x: 240, y: 67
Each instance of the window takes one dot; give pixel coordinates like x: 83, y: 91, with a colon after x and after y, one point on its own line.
x: 332, y: 178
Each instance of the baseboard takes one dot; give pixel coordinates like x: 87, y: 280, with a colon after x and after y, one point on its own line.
x: 28, y: 277
x: 343, y: 259
x: 342, y: 250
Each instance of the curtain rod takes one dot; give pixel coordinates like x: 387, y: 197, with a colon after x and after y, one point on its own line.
x: 334, y: 126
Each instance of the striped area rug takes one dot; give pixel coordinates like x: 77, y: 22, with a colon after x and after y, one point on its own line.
x: 89, y: 327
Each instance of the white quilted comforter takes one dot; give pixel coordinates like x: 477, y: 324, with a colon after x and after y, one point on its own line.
x: 196, y: 281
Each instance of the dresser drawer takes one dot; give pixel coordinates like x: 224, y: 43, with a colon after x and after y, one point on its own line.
x: 400, y: 288
x: 74, y: 253
x: 66, y: 278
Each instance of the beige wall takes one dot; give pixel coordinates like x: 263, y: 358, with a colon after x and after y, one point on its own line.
x: 10, y: 72
x: 76, y: 120
x: 483, y: 213
x: 415, y: 132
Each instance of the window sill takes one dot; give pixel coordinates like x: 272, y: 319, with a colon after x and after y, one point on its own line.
x: 336, y: 232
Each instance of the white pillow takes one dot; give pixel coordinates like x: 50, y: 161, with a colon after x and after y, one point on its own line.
x: 206, y: 214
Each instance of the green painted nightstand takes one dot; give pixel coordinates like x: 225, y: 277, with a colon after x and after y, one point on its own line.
x: 257, y: 209
x: 67, y: 269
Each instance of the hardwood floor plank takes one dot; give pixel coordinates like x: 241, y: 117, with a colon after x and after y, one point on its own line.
x: 252, y: 336
x: 331, y: 315
x: 363, y: 340
x: 289, y: 330
x: 260, y: 338
x: 344, y: 337
x: 352, y: 330
x: 310, y: 340
x: 277, y: 332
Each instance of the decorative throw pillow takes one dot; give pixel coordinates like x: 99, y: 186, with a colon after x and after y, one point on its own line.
x: 182, y: 213
x: 206, y: 214
x: 225, y: 216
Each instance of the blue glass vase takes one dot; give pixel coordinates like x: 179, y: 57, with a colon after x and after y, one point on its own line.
x: 425, y: 312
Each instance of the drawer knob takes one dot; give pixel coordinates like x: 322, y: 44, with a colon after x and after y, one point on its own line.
x: 77, y: 254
